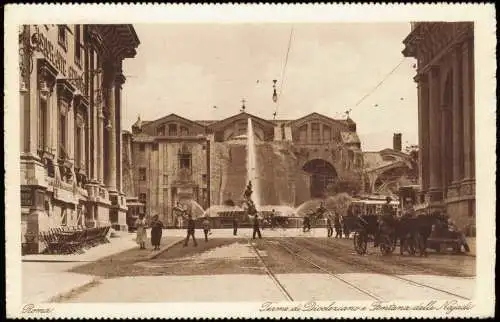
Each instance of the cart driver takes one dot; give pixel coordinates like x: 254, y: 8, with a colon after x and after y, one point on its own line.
x: 386, y: 220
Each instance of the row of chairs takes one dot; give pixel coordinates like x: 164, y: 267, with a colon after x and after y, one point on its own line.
x: 73, y: 240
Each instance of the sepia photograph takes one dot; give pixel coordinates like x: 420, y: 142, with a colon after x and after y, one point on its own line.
x: 321, y: 168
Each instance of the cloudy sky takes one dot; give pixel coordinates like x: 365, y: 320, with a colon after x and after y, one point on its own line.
x: 187, y: 69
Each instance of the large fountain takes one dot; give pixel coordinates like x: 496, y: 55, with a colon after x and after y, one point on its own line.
x: 252, y: 174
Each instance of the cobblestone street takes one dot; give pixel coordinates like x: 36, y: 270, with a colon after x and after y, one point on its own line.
x: 273, y: 268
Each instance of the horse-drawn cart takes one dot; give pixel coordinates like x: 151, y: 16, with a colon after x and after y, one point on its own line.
x: 441, y: 239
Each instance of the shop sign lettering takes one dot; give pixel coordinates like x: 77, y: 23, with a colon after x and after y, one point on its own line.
x: 52, y: 54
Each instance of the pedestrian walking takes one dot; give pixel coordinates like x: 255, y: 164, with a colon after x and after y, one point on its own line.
x: 273, y: 219
x: 338, y: 226
x: 329, y: 227
x: 156, y: 232
x: 345, y: 227
x: 141, y: 236
x: 235, y: 225
x: 190, y: 231
x: 307, y: 223
x: 206, y: 227
x: 256, y: 227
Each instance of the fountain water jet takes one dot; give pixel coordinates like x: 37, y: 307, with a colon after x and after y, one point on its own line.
x: 252, y: 174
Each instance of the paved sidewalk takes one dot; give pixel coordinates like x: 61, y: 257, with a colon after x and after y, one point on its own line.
x: 46, y: 279
x: 115, y: 245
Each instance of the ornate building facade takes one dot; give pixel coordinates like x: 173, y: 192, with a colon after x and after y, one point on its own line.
x: 179, y: 160
x: 387, y: 170
x: 445, y: 78
x: 70, y: 85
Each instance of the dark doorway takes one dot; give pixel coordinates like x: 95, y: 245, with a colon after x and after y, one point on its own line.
x: 323, y: 177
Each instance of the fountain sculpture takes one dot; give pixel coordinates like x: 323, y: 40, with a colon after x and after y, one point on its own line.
x: 251, y: 209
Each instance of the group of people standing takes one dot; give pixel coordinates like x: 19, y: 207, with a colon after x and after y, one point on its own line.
x: 157, y: 227
x: 156, y: 231
x: 332, y: 221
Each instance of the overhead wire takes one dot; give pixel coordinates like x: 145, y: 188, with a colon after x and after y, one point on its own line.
x: 283, y: 71
x: 380, y: 83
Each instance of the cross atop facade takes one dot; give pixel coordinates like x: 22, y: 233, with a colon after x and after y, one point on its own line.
x: 243, y: 101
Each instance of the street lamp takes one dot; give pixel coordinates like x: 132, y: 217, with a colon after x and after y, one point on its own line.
x: 275, y: 96
x: 28, y: 45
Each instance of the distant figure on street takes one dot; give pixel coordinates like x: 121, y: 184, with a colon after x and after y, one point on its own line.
x: 338, y: 226
x: 307, y: 223
x: 256, y: 227
x: 190, y: 231
x: 329, y: 227
x: 156, y: 232
x: 141, y: 236
x: 387, y: 210
x: 180, y: 212
x: 321, y: 209
x: 235, y: 225
x: 206, y: 227
x: 273, y: 219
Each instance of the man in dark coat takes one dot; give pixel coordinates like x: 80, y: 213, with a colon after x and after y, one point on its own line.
x: 386, y: 220
x: 256, y: 227
x: 190, y: 231
x: 338, y: 226
x: 329, y: 227
x: 235, y: 225
x: 307, y: 223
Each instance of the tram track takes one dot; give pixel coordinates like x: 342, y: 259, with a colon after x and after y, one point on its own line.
x: 335, y: 276
x: 270, y: 273
x: 329, y: 252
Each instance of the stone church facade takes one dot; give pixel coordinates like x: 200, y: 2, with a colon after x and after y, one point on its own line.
x: 203, y: 163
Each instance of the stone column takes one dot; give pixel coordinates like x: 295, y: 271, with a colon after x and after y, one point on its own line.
x: 423, y: 129
x: 457, y: 114
x: 120, y: 80
x: 100, y: 130
x: 468, y: 116
x: 110, y: 103
x: 97, y: 135
x: 435, y: 184
x: 70, y: 130
x: 51, y: 126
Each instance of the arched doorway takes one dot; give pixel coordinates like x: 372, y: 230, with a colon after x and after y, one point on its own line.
x: 323, y: 176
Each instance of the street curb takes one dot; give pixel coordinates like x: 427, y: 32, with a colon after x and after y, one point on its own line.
x: 57, y: 298
x: 162, y: 250
x: 56, y: 261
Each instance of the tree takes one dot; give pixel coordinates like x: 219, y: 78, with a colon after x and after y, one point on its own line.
x: 339, y: 203
x: 413, y: 151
